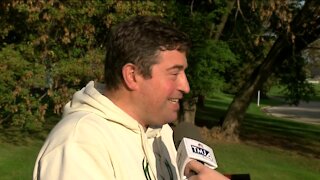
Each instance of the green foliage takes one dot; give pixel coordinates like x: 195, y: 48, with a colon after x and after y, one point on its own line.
x: 69, y: 76
x: 209, y: 59
x: 293, y: 78
x: 249, y: 40
x: 21, y: 83
x: 250, y: 35
x: 208, y: 64
x: 50, y: 49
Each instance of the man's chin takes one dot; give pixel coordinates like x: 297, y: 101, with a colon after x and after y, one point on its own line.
x: 172, y: 119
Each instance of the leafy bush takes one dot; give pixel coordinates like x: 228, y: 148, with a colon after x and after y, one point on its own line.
x: 209, y: 62
x: 50, y: 49
x: 22, y: 89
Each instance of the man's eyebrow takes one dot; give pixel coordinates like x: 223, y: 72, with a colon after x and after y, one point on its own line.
x: 179, y: 67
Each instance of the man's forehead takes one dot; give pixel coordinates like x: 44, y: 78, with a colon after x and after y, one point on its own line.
x: 173, y: 56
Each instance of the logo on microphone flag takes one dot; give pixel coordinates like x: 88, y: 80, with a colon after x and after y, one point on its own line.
x: 200, y: 150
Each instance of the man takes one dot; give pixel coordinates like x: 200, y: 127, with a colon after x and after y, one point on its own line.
x: 120, y: 130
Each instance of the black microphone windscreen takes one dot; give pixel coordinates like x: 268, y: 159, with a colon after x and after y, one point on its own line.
x: 185, y: 129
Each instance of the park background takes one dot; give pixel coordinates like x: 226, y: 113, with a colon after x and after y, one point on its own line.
x: 50, y: 49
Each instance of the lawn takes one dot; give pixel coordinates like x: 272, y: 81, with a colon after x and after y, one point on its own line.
x: 278, y: 91
x: 263, y: 162
x: 270, y: 147
x: 264, y: 129
x: 17, y: 161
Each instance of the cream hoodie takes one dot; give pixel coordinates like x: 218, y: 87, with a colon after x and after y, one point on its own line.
x: 97, y: 140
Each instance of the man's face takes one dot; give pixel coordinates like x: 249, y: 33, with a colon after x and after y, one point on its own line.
x: 161, y: 93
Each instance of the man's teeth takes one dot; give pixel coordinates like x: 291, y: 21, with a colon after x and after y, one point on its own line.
x: 174, y: 100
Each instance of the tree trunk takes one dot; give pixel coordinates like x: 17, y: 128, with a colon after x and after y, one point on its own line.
x: 241, y: 101
x: 305, y: 32
x: 200, y: 100
x: 188, y: 110
x: 220, y: 26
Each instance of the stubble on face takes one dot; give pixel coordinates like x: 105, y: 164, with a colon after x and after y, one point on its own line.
x: 162, y: 92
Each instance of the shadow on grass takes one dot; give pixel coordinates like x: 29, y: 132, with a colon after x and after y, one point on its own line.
x: 266, y: 130
x: 298, y: 137
x: 211, y: 115
x: 15, y: 136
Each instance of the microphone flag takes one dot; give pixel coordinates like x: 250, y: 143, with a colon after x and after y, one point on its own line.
x: 190, y: 149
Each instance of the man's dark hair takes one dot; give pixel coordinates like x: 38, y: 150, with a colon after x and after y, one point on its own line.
x: 139, y: 41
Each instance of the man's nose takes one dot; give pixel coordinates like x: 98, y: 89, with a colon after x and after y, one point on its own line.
x: 184, y: 84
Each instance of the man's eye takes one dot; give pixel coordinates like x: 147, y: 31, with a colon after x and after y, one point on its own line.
x: 175, y: 73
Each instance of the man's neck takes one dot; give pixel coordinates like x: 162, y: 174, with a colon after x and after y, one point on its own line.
x: 125, y: 100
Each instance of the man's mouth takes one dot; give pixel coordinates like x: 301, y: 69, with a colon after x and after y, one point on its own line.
x: 174, y: 100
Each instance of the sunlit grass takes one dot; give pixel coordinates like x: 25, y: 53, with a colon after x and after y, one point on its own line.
x: 17, y: 161
x: 270, y: 147
x: 263, y: 162
x: 277, y: 91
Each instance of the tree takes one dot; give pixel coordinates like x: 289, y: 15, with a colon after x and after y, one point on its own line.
x: 49, y: 49
x: 312, y: 54
x: 209, y: 58
x: 304, y: 29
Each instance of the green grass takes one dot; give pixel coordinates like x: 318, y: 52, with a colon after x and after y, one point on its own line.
x: 317, y: 88
x: 261, y: 162
x: 276, y: 91
x: 265, y: 129
x: 271, y: 148
x: 264, y: 162
x: 17, y: 161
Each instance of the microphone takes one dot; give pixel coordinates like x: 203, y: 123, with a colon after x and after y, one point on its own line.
x: 187, y: 139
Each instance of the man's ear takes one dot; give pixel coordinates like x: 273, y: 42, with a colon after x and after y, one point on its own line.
x: 129, y: 73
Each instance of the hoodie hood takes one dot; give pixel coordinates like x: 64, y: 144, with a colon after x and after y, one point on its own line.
x: 91, y: 99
